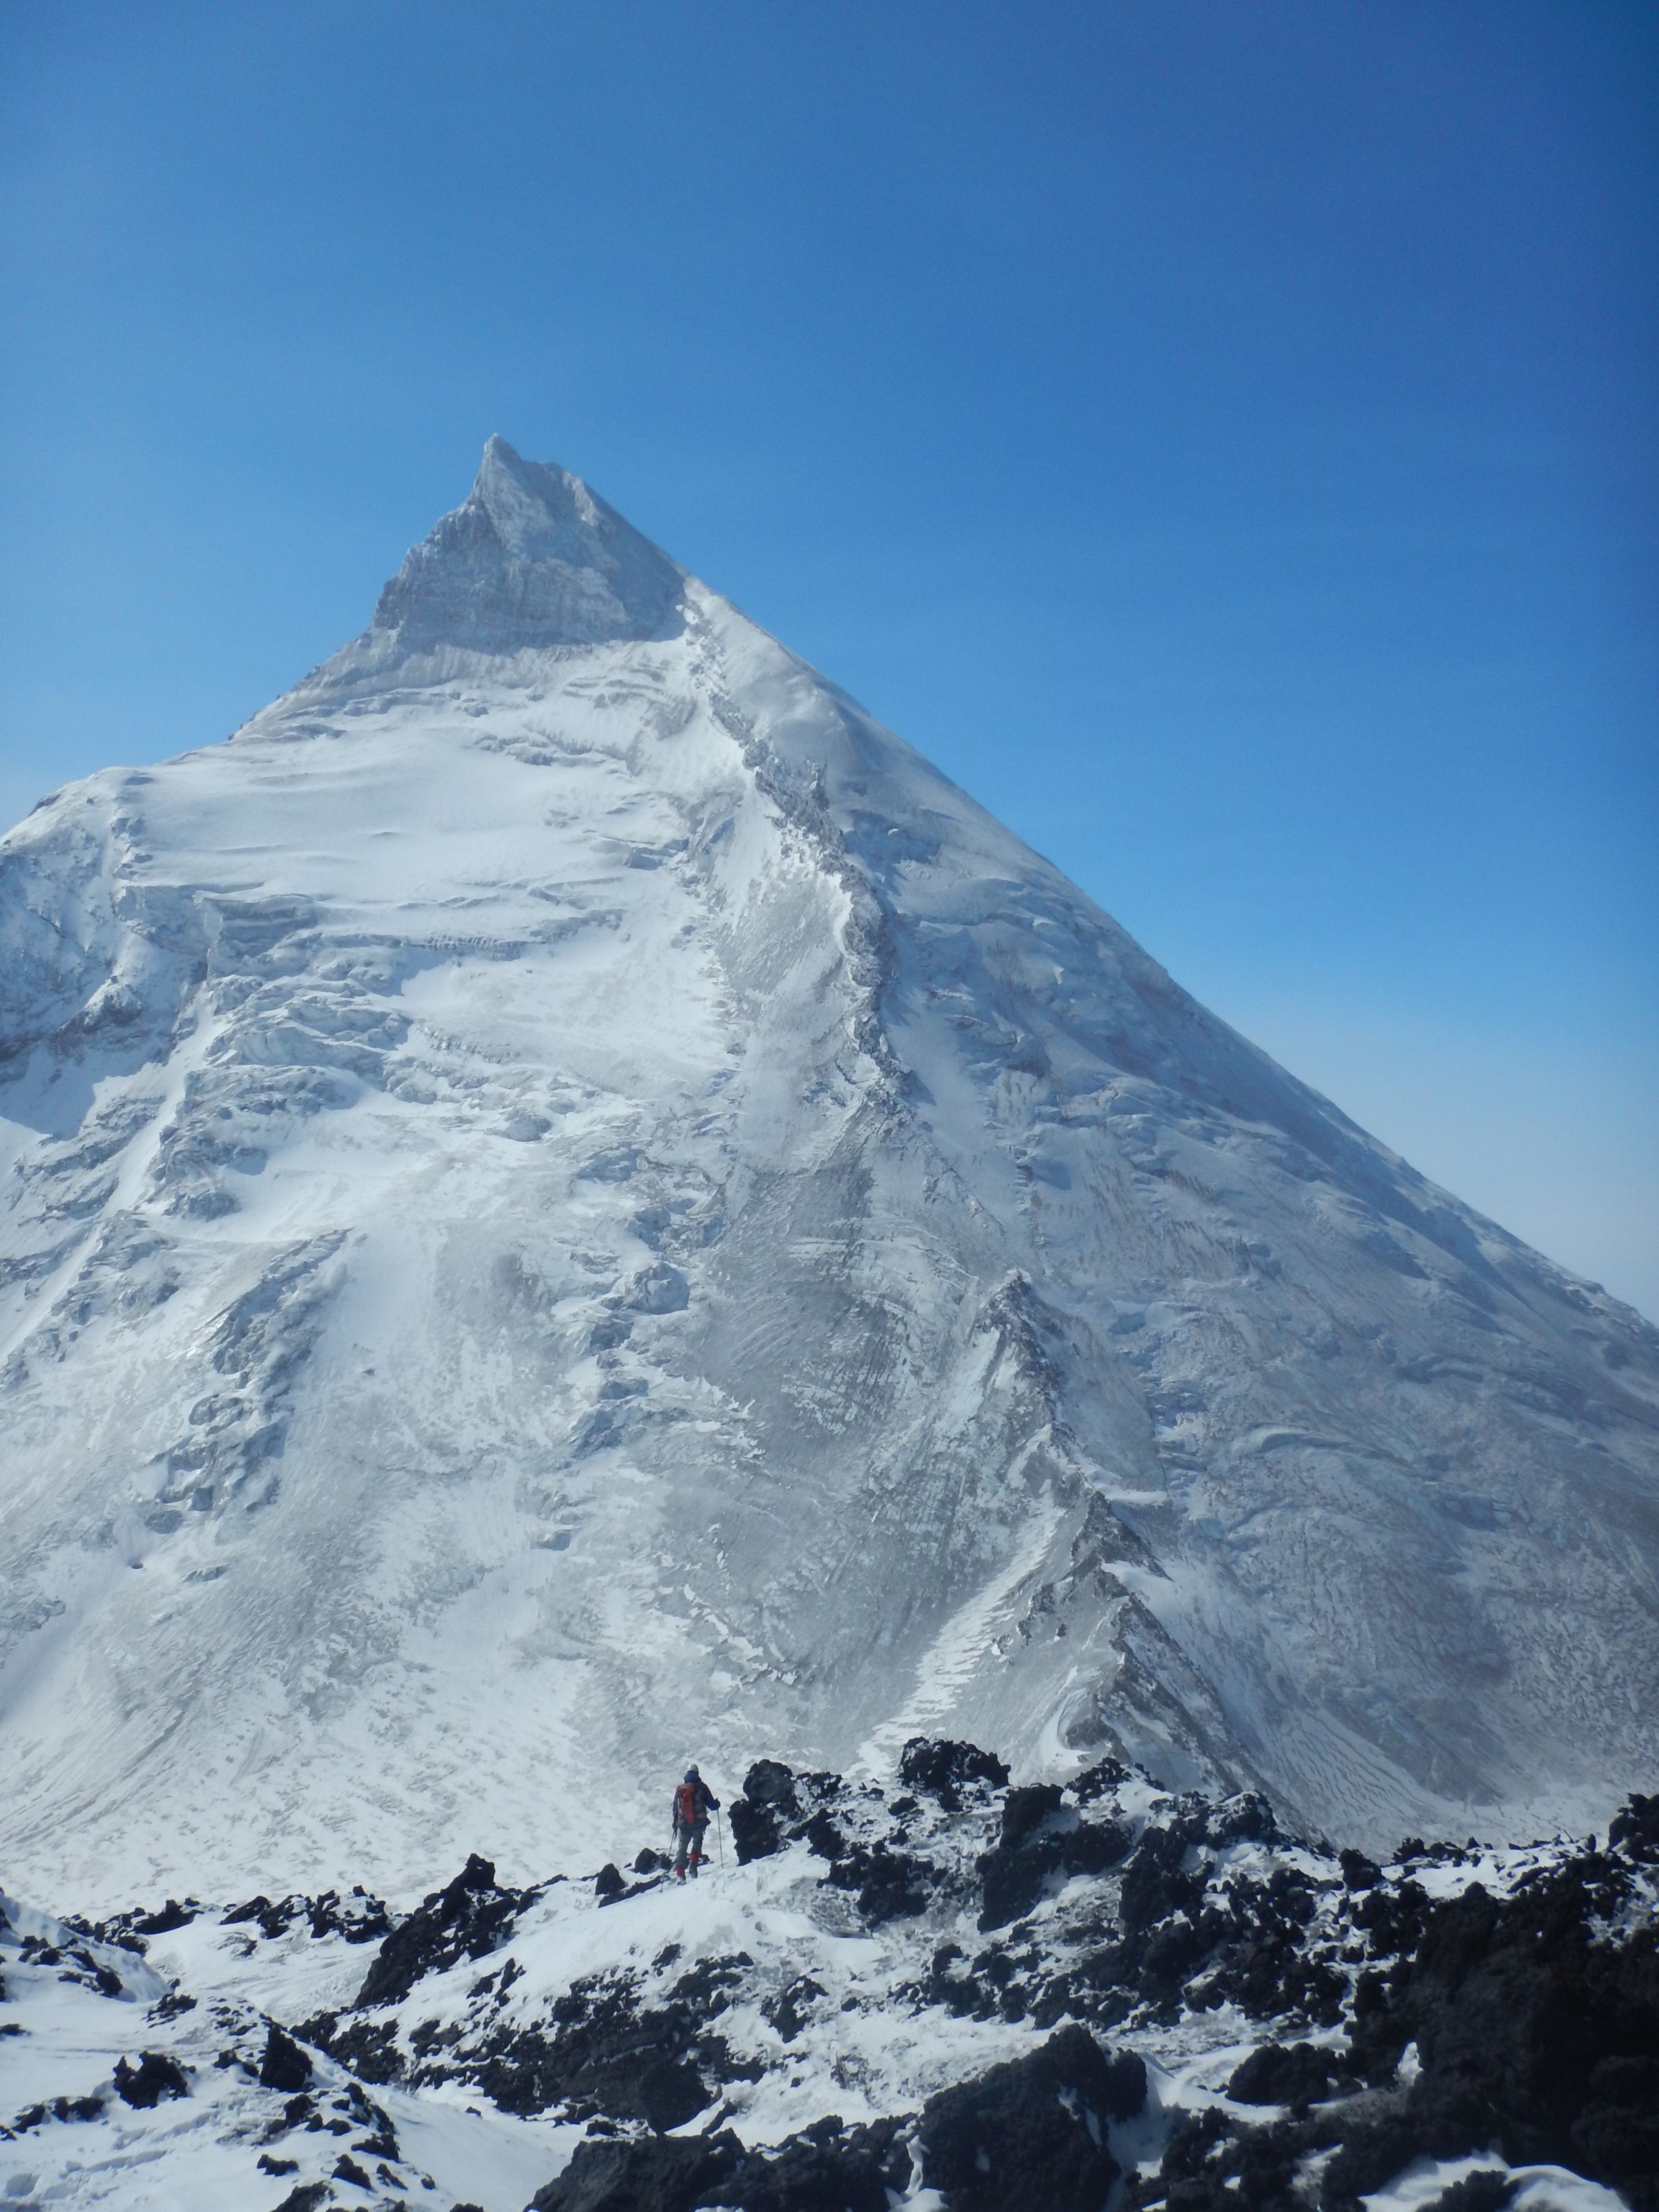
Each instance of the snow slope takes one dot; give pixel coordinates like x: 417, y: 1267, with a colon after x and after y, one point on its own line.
x: 569, y: 1200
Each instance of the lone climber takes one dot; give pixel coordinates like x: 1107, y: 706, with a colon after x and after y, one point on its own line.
x: 694, y: 1800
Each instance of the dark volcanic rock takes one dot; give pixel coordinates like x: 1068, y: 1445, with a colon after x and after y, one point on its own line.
x: 1157, y: 1882
x: 1095, y: 1781
x: 829, y: 2168
x: 1274, y: 2074
x: 1537, y: 2032
x: 653, y: 2176
x: 944, y: 1769
x: 284, y: 2065
x: 601, y: 2052
x: 1477, y: 2192
x: 1635, y: 1829
x: 469, y: 1918
x: 153, y: 2077
x: 769, y: 1798
x: 1040, y: 1840
x: 307, y: 2198
x: 1358, y: 1871
x: 890, y: 1885
x: 368, y: 2047
x: 171, y: 1915
x: 1021, y: 2134
x: 1027, y: 1809
x: 272, y: 1919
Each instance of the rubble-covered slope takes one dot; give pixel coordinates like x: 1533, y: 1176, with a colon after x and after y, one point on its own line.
x: 942, y: 1992
x: 563, y: 1196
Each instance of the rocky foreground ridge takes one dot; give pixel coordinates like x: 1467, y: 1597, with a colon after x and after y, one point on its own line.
x: 946, y: 1993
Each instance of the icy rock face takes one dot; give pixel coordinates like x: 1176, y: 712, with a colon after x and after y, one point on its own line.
x: 569, y: 1201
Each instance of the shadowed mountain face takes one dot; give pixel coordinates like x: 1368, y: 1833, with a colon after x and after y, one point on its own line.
x: 572, y: 1203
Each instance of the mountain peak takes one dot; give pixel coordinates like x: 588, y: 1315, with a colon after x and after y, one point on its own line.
x: 531, y: 558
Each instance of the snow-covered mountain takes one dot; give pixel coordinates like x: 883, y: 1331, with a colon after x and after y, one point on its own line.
x: 571, y: 1201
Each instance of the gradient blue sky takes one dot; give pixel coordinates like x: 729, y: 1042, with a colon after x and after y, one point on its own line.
x: 1222, y: 435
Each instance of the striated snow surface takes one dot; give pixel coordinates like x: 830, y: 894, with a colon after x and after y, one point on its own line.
x: 569, y: 1202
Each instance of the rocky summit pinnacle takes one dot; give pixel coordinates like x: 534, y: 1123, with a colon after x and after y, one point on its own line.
x: 531, y: 558
x: 569, y: 1202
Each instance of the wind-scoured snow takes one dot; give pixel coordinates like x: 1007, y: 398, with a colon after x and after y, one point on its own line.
x: 569, y: 1202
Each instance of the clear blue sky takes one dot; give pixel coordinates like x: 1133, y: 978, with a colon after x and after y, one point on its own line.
x: 1222, y: 435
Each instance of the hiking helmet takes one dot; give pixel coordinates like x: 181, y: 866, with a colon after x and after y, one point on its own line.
x: 691, y: 1774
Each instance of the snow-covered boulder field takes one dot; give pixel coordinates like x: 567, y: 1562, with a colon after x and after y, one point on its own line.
x: 946, y: 1992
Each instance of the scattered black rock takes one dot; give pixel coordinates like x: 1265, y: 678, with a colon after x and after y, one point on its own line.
x: 642, y: 2176
x: 827, y: 2168
x: 601, y: 2052
x: 1040, y: 1842
x: 1537, y: 2033
x: 1477, y: 2192
x: 830, y: 2167
x: 466, y: 1920
x: 368, y: 2047
x: 1034, y: 2130
x: 306, y: 2197
x: 284, y: 2065
x: 1106, y: 1774
x: 153, y: 2077
x: 608, y: 1883
x: 788, y: 2010
x: 1533, y: 2012
x: 273, y: 1920
x: 769, y: 1798
x: 890, y: 1885
x: 1358, y: 1871
x: 1297, y: 2075
x: 171, y: 1915
x: 1635, y: 1830
x: 59, y: 2108
x: 360, y: 1919
x: 823, y: 1835
x: 381, y: 2139
x: 945, y: 1769
x: 650, y: 1861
